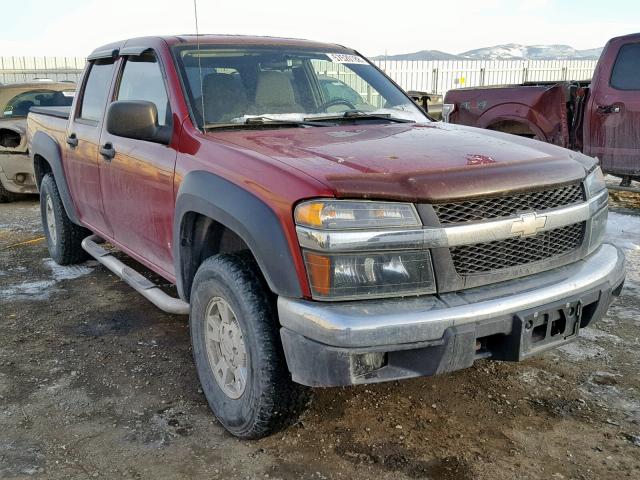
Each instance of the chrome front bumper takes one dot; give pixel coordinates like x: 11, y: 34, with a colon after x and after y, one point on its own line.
x: 330, y: 344
x: 410, y: 320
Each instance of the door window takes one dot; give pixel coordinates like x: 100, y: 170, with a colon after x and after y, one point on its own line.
x: 142, y: 80
x: 96, y: 90
x: 626, y: 71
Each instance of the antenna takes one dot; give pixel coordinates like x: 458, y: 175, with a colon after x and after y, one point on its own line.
x: 195, y: 11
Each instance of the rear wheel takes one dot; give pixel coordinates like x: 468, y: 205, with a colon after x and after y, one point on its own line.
x: 237, y: 350
x: 63, y: 236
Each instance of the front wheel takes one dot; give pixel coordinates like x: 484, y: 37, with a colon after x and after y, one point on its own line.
x: 63, y: 236
x: 237, y: 350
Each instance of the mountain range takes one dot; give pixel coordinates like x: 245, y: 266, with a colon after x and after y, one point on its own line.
x: 509, y: 51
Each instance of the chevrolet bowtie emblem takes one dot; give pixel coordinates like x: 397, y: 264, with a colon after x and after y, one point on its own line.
x: 528, y: 224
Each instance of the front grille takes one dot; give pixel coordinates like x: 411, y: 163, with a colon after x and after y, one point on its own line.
x: 487, y: 208
x: 500, y: 254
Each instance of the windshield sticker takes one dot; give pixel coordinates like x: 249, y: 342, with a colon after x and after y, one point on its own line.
x: 346, y: 58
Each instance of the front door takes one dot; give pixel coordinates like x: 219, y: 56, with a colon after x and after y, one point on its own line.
x: 613, y: 133
x: 81, y: 146
x: 137, y: 181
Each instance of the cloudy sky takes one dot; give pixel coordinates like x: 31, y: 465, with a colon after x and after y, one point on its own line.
x: 75, y: 27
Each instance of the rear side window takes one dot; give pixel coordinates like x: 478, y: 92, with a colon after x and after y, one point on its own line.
x: 626, y: 71
x: 142, y: 80
x: 96, y: 90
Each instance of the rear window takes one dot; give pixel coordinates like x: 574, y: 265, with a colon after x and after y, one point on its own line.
x: 19, y: 105
x: 96, y: 90
x: 626, y: 71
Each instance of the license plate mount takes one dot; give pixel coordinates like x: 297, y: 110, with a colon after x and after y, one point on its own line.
x: 541, y: 329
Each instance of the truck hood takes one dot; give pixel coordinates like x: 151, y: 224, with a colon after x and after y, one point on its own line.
x: 414, y: 162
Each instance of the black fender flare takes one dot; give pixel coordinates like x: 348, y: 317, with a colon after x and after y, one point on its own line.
x: 46, y: 147
x: 246, y: 215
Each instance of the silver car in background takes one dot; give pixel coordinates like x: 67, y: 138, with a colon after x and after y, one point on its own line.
x: 16, y: 170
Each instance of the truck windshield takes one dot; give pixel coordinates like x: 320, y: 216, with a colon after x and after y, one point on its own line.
x: 232, y: 85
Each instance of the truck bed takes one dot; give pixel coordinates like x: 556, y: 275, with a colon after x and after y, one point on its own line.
x: 59, y: 112
x: 52, y: 120
x: 547, y: 111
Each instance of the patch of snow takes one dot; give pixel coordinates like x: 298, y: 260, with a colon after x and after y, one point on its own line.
x: 38, y: 290
x: 620, y: 311
x: 624, y: 231
x: 42, y: 289
x: 70, y: 272
x: 602, y: 386
x: 593, y: 335
x: 535, y: 376
x: 579, y: 351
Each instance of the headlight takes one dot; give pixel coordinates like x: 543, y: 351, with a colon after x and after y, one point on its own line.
x: 369, y: 275
x: 349, y: 214
x: 594, y: 183
x: 378, y: 254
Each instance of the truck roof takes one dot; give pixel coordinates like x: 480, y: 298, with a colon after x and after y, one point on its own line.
x: 218, y: 39
x: 628, y: 37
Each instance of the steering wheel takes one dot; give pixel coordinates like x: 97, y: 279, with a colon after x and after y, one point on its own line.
x: 336, y: 101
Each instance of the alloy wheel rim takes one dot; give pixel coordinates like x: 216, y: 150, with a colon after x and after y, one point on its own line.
x: 226, y: 350
x: 51, y: 220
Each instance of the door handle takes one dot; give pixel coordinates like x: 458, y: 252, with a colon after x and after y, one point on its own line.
x: 608, y: 109
x: 72, y: 140
x: 107, y: 151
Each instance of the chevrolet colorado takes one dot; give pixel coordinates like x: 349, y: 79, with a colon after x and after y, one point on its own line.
x: 600, y: 118
x: 315, y: 239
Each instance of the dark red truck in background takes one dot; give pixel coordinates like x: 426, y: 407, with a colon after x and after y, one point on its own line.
x: 318, y: 233
x: 600, y: 118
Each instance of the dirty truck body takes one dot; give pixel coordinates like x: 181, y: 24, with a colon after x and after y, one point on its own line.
x: 318, y: 240
x: 600, y: 118
x: 16, y: 169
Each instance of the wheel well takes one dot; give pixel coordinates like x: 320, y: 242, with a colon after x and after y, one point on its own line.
x: 202, y: 237
x: 513, y: 127
x: 9, y: 138
x: 41, y: 167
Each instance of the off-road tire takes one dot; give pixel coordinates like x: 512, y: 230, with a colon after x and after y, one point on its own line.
x: 66, y: 248
x: 6, y: 196
x: 271, y: 401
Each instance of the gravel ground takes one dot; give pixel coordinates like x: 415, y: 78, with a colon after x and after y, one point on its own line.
x: 97, y: 383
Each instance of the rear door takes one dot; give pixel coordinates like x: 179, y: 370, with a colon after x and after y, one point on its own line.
x: 137, y: 182
x: 614, y: 112
x: 81, y: 147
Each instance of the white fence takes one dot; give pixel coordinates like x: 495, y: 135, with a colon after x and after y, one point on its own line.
x: 24, y: 69
x: 440, y: 76
x: 427, y: 76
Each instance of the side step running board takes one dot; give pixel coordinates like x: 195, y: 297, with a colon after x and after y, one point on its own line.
x: 143, y: 286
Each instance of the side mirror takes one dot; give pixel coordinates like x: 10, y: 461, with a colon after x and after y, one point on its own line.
x: 137, y: 119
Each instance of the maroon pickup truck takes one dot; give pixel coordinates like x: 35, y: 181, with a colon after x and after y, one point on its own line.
x: 318, y: 233
x: 600, y: 118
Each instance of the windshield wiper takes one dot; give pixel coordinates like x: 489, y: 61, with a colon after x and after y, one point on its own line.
x: 359, y: 115
x: 261, y: 122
